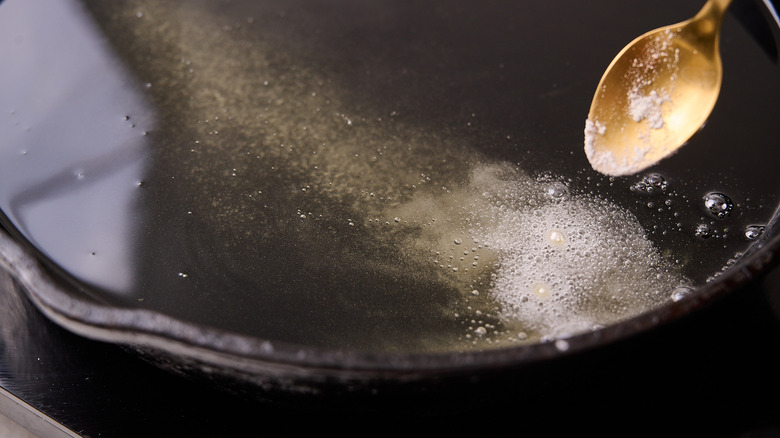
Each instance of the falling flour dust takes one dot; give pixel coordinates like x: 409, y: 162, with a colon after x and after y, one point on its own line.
x: 526, y: 257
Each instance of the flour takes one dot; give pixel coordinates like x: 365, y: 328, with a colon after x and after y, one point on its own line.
x: 404, y: 244
x: 644, y: 104
x: 567, y: 264
x: 599, y: 159
x: 532, y: 257
x: 647, y: 107
x: 605, y: 160
x: 644, y: 100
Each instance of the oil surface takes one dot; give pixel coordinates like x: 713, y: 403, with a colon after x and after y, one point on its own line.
x: 391, y: 176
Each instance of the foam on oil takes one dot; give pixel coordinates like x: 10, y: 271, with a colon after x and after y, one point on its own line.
x: 541, y: 262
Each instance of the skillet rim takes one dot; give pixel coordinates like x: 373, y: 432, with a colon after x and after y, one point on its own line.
x: 146, y: 330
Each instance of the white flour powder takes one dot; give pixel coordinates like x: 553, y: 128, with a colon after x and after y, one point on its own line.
x: 647, y: 107
x: 644, y: 103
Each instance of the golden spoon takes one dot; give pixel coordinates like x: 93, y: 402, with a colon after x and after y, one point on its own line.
x: 656, y: 93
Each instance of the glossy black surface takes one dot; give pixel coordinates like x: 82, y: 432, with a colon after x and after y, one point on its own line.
x: 132, y: 176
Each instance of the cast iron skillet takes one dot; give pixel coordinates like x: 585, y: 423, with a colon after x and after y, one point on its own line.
x: 267, y: 368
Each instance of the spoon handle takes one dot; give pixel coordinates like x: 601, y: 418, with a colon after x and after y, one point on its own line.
x: 707, y: 22
x: 713, y: 9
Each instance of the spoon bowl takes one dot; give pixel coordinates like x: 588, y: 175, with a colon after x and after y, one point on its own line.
x: 656, y: 94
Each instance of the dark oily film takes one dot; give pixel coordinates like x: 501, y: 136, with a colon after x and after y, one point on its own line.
x: 279, y: 170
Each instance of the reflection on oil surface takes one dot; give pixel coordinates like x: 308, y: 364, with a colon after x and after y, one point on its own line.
x: 379, y: 176
x: 70, y: 160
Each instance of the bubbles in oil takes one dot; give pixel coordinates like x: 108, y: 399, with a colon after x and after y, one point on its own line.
x: 557, y: 264
x: 681, y: 292
x: 532, y: 258
x: 562, y: 262
x: 753, y: 232
x: 651, y: 184
x: 562, y: 345
x: 672, y: 217
x: 718, y: 204
x: 557, y: 191
x: 556, y: 238
x: 703, y: 231
x: 541, y: 290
